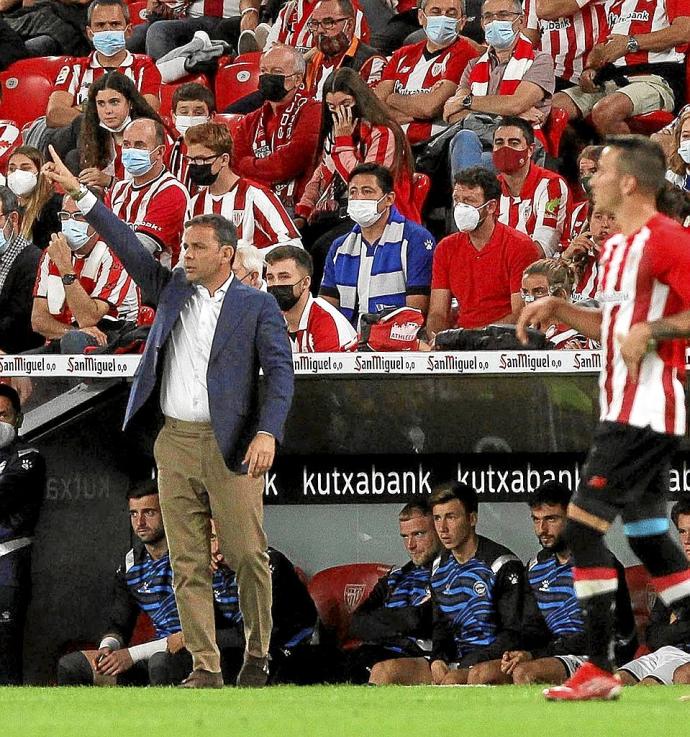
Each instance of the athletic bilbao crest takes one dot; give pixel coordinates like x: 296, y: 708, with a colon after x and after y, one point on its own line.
x: 237, y: 217
x: 352, y: 595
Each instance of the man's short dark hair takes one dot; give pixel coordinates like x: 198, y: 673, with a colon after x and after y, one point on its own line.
x: 299, y: 255
x: 119, y: 3
x: 224, y: 230
x: 414, y: 509
x: 193, y: 92
x: 8, y: 201
x: 11, y: 393
x: 641, y: 158
x: 384, y: 178
x: 146, y: 488
x: 346, y: 8
x: 681, y: 507
x: 455, y: 490
x: 514, y: 122
x: 478, y: 176
x: 550, y: 492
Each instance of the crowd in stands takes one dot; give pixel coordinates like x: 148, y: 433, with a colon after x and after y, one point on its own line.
x: 378, y: 155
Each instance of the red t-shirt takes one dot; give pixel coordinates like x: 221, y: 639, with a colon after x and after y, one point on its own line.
x: 482, y: 281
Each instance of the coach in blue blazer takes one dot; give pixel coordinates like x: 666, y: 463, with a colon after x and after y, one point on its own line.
x: 210, y: 336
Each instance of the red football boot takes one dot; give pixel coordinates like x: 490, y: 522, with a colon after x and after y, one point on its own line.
x: 589, y: 683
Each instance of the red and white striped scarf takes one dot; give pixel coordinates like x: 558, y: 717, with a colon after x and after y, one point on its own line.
x: 520, y: 62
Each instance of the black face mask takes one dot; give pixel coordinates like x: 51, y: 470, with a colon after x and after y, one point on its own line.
x: 272, y: 87
x: 201, y: 174
x: 285, y: 295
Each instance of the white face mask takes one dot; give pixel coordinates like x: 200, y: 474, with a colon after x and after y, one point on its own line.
x: 184, y: 122
x: 466, y: 216
x: 22, y: 182
x: 120, y: 128
x: 684, y: 150
x: 7, y: 434
x: 364, y: 212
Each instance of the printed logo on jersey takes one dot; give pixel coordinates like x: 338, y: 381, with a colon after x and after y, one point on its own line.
x: 439, y: 67
x: 479, y: 588
x: 352, y: 595
x: 553, y: 205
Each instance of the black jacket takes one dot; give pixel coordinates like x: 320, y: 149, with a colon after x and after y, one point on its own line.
x: 16, y: 302
x: 661, y: 631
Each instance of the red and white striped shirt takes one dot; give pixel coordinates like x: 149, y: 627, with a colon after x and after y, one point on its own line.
x: 103, y: 277
x: 291, y: 29
x: 640, y: 17
x: 569, y: 39
x: 566, y: 338
x: 259, y: 216
x: 321, y: 67
x: 9, y: 140
x: 540, y: 208
x: 156, y: 210
x: 79, y: 74
x: 213, y: 8
x: 414, y: 70
x: 644, y: 277
x: 586, y: 287
x: 322, y: 329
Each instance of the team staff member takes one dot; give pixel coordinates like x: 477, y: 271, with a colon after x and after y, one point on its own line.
x: 212, y: 334
x: 645, y: 297
x: 22, y: 485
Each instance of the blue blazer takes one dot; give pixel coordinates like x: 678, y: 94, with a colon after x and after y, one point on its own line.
x: 250, y: 335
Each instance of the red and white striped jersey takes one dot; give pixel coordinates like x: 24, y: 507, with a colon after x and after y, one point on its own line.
x: 413, y: 69
x: 639, y: 17
x: 291, y: 29
x: 370, y: 71
x: 566, y: 338
x: 259, y: 216
x: 9, y: 140
x: 156, y: 210
x: 586, y: 287
x: 103, y: 277
x: 77, y: 76
x: 213, y: 8
x: 568, y: 40
x: 322, y: 329
x: 644, y: 277
x: 540, y: 208
x: 179, y: 166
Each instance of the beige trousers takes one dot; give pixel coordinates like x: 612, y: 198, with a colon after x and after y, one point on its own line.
x: 194, y: 485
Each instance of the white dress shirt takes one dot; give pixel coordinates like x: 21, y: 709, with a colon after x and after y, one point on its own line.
x: 184, y: 394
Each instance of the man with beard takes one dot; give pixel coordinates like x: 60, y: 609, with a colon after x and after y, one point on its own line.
x: 553, y: 632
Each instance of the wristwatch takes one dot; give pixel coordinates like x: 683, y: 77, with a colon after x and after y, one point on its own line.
x: 467, y: 102
x: 77, y: 194
x: 633, y: 45
x: 68, y: 279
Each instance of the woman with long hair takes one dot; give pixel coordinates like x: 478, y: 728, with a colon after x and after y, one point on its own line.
x: 37, y: 199
x: 113, y: 103
x: 678, y: 172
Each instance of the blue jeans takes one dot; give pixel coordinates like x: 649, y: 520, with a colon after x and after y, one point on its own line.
x: 466, y: 150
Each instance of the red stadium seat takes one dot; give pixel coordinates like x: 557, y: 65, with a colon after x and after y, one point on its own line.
x: 167, y: 91
x: 338, y: 591
x: 642, y: 596
x: 143, y: 630
x: 230, y: 120
x: 137, y: 13
x: 235, y: 81
x: 26, y: 87
x: 556, y: 124
x: 146, y: 315
x: 251, y: 57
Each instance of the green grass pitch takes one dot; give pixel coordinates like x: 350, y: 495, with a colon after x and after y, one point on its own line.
x: 337, y: 711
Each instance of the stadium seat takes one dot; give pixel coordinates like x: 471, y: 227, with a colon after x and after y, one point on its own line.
x: 338, y: 591
x: 235, y: 81
x: 556, y: 124
x: 251, y: 57
x: 143, y: 630
x: 26, y: 87
x: 146, y: 315
x: 642, y: 596
x: 137, y: 13
x: 230, y: 120
x: 167, y: 91
x: 421, y: 184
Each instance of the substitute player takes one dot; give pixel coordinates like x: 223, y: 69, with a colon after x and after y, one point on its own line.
x: 644, y: 291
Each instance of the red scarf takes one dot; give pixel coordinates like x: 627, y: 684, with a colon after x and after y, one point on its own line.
x: 520, y: 62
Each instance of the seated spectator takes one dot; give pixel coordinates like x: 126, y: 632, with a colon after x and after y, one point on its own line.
x: 587, y: 165
x: 385, y: 261
x: 675, y: 203
x: 108, y: 26
x: 666, y: 137
x: 248, y: 266
x: 679, y: 160
x: 667, y: 635
x: 355, y: 128
x: 421, y: 77
x: 313, y: 324
x: 637, y: 69
x: 276, y: 145
x: 143, y: 584
x: 19, y: 260
x: 552, y: 277
x: 38, y: 202
x: 153, y: 202
x: 192, y: 104
x: 113, y: 103
x: 534, y: 200
x: 394, y: 621
x: 258, y: 215
x: 333, y: 24
x: 554, y: 639
x: 481, y: 266
x: 476, y: 593
x: 83, y: 296
x: 582, y: 253
x: 392, y: 34
x: 510, y: 79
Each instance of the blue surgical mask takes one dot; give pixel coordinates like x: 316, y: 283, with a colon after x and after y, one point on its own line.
x: 136, y: 161
x: 500, y: 34
x: 75, y: 233
x: 441, y: 29
x: 109, y: 43
x: 4, y: 241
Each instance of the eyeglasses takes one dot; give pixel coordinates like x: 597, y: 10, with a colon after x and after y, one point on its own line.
x: 327, y: 24
x: 200, y: 160
x: 501, y: 15
x: 63, y: 216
